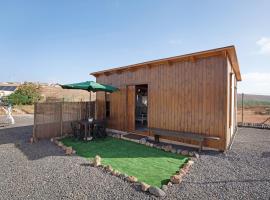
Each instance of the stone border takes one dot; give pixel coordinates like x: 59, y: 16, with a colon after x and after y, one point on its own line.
x: 254, y: 125
x: 159, y: 192
x: 68, y: 150
x: 167, y: 148
x: 175, y: 179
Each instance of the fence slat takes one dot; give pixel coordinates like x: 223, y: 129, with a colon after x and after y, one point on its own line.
x: 53, y: 119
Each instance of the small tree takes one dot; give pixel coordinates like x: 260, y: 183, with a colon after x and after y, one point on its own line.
x: 26, y: 94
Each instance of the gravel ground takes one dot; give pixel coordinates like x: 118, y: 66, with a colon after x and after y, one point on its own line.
x: 42, y: 171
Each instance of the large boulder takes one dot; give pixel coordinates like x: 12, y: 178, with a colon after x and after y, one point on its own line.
x: 157, y: 191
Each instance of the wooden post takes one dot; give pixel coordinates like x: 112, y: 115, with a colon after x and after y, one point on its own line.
x: 126, y: 125
x: 61, y: 118
x: 35, y: 120
x: 242, y: 108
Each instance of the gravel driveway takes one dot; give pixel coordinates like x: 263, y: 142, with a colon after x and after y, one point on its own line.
x: 42, y: 171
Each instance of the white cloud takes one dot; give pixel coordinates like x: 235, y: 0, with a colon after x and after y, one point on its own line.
x: 264, y: 44
x: 255, y: 83
x: 175, y: 42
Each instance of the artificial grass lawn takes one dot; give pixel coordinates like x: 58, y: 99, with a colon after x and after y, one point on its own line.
x: 150, y: 165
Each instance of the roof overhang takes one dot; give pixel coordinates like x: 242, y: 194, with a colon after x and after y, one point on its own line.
x: 227, y: 51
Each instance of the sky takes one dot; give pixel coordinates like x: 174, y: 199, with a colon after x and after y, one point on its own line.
x: 62, y: 41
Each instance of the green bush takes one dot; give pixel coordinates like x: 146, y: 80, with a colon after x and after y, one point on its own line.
x: 26, y: 94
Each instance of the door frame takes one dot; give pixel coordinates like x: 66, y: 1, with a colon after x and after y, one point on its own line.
x: 126, y: 115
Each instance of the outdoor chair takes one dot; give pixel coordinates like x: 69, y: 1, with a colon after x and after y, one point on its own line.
x: 77, y: 130
x: 99, y: 129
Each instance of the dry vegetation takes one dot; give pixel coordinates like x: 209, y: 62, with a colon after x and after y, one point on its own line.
x: 256, y: 108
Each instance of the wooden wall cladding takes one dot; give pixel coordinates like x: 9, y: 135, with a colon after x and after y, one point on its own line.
x: 188, y: 96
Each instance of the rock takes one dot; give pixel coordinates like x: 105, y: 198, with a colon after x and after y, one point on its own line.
x: 123, y: 176
x: 179, y: 151
x: 143, y: 141
x: 132, y: 179
x: 60, y: 144
x: 144, y: 186
x: 69, y: 150
x: 173, y: 150
x: 97, y: 161
x: 176, y: 179
x: 167, y: 148
x: 196, y: 155
x: 169, y: 184
x: 182, y: 172
x: 164, y: 188
x: 115, y: 172
x: 190, y: 162
x: 151, y: 145
x: 73, y: 152
x: 56, y: 142
x: 184, y: 152
x: 109, y: 168
x: 191, y: 153
x: 147, y: 144
x: 31, y: 140
x: 157, y: 191
x: 186, y: 168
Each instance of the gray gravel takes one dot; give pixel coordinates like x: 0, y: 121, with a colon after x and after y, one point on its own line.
x: 42, y: 171
x: 241, y: 173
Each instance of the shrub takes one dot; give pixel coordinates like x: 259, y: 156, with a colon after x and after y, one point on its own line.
x: 26, y: 94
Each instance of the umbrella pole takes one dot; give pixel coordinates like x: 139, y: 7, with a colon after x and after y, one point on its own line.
x: 89, y: 105
x: 105, y: 106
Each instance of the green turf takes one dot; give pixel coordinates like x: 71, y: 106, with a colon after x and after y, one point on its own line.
x: 150, y: 165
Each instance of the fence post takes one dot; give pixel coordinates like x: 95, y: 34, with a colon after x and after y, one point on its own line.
x: 35, y: 121
x: 61, y: 118
x: 242, y: 108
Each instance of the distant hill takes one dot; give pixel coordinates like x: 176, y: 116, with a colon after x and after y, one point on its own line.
x: 254, y: 100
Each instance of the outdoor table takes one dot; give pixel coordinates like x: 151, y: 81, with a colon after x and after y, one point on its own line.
x: 88, y: 127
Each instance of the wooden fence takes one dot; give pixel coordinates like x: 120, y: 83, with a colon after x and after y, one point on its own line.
x: 54, y: 119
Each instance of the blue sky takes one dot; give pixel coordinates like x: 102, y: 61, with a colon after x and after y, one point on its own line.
x: 63, y: 41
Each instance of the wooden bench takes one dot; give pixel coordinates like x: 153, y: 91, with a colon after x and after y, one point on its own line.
x: 184, y: 135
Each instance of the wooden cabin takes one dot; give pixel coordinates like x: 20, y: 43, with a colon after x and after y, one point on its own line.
x: 192, y: 93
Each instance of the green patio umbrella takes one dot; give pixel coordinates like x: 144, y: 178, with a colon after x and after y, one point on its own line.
x: 90, y: 86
